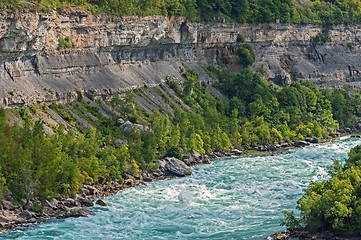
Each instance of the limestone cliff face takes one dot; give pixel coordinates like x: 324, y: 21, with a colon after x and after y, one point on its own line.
x: 112, y: 54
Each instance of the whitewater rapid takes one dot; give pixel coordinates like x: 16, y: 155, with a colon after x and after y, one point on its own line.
x: 231, y: 198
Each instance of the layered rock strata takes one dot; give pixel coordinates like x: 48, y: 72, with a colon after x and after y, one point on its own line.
x: 106, y: 55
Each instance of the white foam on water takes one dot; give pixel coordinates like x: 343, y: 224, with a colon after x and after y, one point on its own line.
x: 345, y: 137
x: 233, y: 198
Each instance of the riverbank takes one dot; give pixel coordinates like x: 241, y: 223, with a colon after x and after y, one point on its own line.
x: 73, y: 206
x: 305, y: 234
x: 12, y: 216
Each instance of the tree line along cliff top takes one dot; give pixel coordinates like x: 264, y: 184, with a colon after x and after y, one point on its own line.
x: 242, y: 11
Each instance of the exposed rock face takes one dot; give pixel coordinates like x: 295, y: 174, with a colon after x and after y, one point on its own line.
x: 129, y: 52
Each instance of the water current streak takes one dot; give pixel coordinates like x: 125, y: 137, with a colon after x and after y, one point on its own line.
x: 232, y: 198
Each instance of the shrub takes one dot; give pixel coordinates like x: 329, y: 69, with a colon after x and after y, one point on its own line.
x: 240, y: 38
x: 174, y: 151
x: 321, y: 38
x: 350, y: 46
x: 36, y: 207
x: 65, y: 43
x: 245, y: 55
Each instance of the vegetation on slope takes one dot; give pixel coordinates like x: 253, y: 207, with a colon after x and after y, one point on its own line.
x: 243, y: 11
x: 35, y: 164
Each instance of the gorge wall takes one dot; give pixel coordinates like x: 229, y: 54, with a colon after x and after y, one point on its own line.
x: 112, y: 54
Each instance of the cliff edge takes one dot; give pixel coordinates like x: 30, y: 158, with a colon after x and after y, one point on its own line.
x: 104, y: 55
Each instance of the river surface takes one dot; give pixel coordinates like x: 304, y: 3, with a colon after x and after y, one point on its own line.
x: 231, y: 198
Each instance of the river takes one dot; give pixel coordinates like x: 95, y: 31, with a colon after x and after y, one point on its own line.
x: 231, y: 198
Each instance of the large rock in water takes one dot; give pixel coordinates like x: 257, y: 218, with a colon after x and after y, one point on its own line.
x: 174, y: 166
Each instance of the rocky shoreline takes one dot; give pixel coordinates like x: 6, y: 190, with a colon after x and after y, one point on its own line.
x: 305, y: 235
x: 36, y: 210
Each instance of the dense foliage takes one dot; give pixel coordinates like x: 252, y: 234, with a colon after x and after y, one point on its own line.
x: 258, y: 11
x: 35, y: 164
x: 334, y: 204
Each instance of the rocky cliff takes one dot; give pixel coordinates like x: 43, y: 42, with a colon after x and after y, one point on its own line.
x: 111, y: 54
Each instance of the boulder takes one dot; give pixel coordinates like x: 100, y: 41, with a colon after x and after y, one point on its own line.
x: 129, y: 180
x: 54, y: 203
x: 146, y: 177
x: 158, y: 174
x: 262, y: 148
x: 118, y: 142
x: 347, y: 130
x: 335, y: 135
x: 162, y: 164
x: 8, y: 196
x: 7, y: 205
x: 86, y: 202
x: 174, y: 166
x: 26, y: 214
x: 101, y: 203
x: 91, y: 190
x: 84, y: 191
x: 195, y: 154
x: 301, y: 144
x: 271, y: 148
x: 46, y: 203
x: 120, y: 121
x: 206, y: 160
x: 128, y: 127
x: 75, y: 197
x: 285, y: 144
x: 76, y: 213
x: 69, y: 202
x: 190, y: 160
x: 4, y: 219
x: 141, y: 128
x: 236, y: 152
x: 48, y: 210
x: 314, y: 140
x: 28, y: 205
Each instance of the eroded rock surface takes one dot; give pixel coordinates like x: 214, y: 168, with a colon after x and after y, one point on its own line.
x: 129, y: 52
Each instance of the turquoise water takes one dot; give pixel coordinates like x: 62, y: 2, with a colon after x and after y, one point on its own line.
x: 232, y: 198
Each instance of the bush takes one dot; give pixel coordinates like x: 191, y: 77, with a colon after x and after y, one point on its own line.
x: 350, y: 46
x: 321, y: 38
x: 174, y: 152
x: 245, y: 55
x: 36, y: 207
x: 65, y: 43
x: 290, y: 221
x: 240, y: 38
